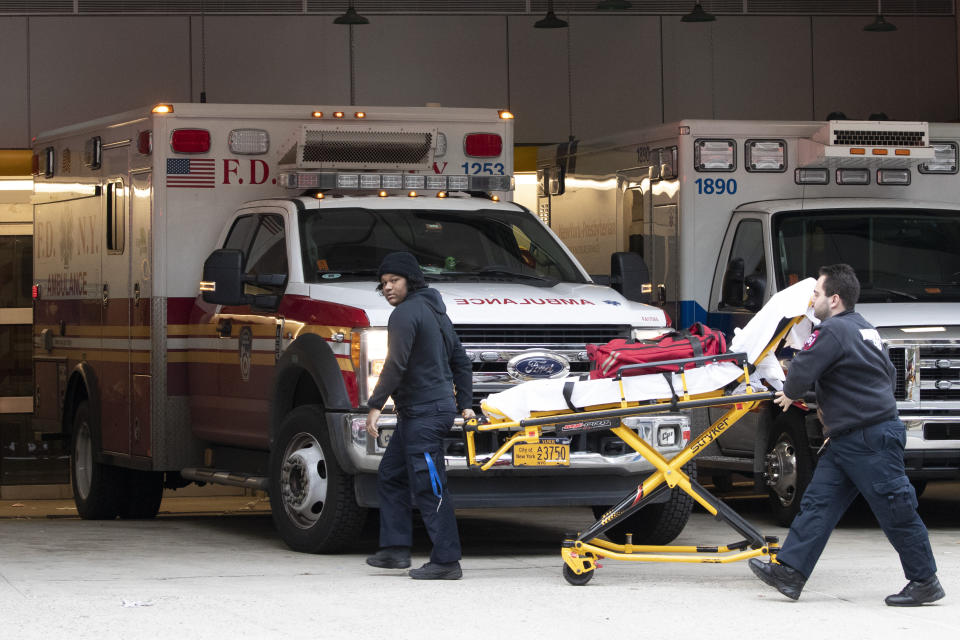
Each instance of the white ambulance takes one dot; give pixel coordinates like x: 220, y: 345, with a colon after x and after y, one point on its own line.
x: 726, y: 213
x: 205, y: 306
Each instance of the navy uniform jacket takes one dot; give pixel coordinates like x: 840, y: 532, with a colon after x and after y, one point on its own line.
x: 425, y: 359
x: 854, y: 379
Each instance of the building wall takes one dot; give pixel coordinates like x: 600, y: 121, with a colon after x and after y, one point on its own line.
x: 625, y: 71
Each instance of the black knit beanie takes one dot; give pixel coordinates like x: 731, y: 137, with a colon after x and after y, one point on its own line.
x: 402, y: 263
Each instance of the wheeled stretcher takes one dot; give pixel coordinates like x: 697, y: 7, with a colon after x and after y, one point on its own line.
x: 571, y: 407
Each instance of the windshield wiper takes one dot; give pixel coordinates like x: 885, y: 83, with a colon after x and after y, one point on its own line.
x: 497, y: 271
x: 892, y: 292
x: 347, y: 272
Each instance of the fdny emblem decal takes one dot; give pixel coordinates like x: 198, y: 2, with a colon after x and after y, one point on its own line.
x: 246, y: 347
x: 532, y: 365
x: 810, y: 340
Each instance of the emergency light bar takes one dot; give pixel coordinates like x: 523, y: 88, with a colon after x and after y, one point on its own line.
x: 861, y: 143
x: 394, y: 181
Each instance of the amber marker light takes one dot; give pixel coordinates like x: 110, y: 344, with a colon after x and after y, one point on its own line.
x: 495, y: 198
x: 505, y: 115
x: 317, y: 114
x: 878, y: 152
x: 901, y: 152
x: 359, y: 115
x: 412, y: 194
x: 319, y: 196
x: 857, y: 151
x: 338, y: 114
x: 441, y: 194
x: 382, y: 194
x: 163, y: 108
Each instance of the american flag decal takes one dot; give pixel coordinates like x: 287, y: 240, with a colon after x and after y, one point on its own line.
x: 197, y: 173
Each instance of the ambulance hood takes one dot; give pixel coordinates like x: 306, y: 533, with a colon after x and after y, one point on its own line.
x: 491, y: 303
x: 911, y: 314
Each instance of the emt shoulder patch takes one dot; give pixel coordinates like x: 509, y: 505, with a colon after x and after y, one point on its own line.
x: 811, y: 339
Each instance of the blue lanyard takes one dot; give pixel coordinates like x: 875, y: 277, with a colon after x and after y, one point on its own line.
x: 434, y: 479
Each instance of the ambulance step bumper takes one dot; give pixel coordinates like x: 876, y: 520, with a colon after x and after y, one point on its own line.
x: 232, y: 478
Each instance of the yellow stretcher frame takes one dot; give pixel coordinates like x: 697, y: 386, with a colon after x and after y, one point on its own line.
x: 580, y: 552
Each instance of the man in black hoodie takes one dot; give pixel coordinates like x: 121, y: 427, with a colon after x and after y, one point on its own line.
x: 429, y: 376
x: 843, y: 360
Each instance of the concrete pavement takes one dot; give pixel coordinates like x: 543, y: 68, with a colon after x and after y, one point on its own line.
x: 188, y: 574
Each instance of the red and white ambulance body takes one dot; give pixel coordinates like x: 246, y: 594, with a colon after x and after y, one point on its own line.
x: 278, y: 216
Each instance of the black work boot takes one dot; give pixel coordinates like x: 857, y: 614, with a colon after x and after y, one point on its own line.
x: 390, y: 558
x: 916, y: 593
x: 437, y: 571
x: 787, y: 581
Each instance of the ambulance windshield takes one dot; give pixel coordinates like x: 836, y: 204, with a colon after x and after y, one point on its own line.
x: 900, y: 255
x: 471, y: 246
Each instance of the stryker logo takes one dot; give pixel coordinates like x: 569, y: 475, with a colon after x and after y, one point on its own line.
x: 568, y: 301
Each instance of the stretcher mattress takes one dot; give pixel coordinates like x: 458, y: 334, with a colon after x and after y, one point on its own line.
x: 543, y: 396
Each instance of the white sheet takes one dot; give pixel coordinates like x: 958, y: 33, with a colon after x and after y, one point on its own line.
x: 520, y: 401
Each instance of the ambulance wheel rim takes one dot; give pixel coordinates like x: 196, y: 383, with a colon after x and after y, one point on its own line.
x: 303, y: 480
x: 83, y: 460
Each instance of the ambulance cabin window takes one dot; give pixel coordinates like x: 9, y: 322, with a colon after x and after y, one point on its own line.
x: 268, y: 252
x: 116, y: 217
x: 745, y: 281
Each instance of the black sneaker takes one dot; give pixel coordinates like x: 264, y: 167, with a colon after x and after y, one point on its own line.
x: 390, y: 558
x: 916, y: 593
x: 787, y: 581
x: 437, y: 571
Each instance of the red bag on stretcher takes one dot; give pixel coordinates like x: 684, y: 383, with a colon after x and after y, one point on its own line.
x: 698, y: 340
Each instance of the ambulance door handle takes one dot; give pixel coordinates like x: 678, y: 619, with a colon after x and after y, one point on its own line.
x: 225, y: 327
x: 136, y: 294
x: 662, y: 293
x: 106, y: 294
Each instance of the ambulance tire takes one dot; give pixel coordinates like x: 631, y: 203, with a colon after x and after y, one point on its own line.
x: 141, y: 495
x: 658, y: 523
x: 96, y: 486
x: 311, y: 497
x: 789, y: 466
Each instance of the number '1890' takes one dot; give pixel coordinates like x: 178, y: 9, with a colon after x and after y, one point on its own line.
x: 715, y: 186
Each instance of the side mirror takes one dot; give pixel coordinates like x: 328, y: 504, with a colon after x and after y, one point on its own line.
x: 630, y: 276
x: 733, y: 284
x: 223, y: 278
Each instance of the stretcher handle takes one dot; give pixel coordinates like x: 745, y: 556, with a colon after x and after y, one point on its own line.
x: 737, y: 358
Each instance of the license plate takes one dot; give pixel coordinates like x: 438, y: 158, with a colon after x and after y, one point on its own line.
x: 546, y: 453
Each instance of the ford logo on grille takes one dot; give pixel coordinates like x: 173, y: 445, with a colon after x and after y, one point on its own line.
x: 532, y: 365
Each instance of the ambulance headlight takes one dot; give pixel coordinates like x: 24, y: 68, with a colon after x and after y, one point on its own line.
x: 248, y: 141
x: 766, y: 156
x: 368, y: 352
x: 944, y: 159
x: 714, y: 155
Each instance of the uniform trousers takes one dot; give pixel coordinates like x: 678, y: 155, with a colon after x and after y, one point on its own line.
x: 404, y: 479
x: 867, y: 461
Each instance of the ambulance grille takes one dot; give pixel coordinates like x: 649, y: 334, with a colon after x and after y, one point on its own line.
x: 540, y: 335
x: 899, y: 359
x: 863, y: 138
x: 366, y: 148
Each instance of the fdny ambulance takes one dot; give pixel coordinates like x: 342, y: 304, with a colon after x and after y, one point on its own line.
x: 727, y: 213
x: 205, y: 307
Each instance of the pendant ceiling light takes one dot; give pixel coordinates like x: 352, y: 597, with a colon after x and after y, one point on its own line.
x: 698, y: 15
x: 351, y: 17
x: 550, y: 21
x: 879, y: 24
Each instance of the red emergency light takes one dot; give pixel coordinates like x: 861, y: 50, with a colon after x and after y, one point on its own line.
x: 35, y: 292
x: 190, y: 140
x: 483, y: 145
x: 145, y: 142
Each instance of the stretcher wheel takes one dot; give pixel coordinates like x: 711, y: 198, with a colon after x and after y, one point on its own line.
x: 577, y: 580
